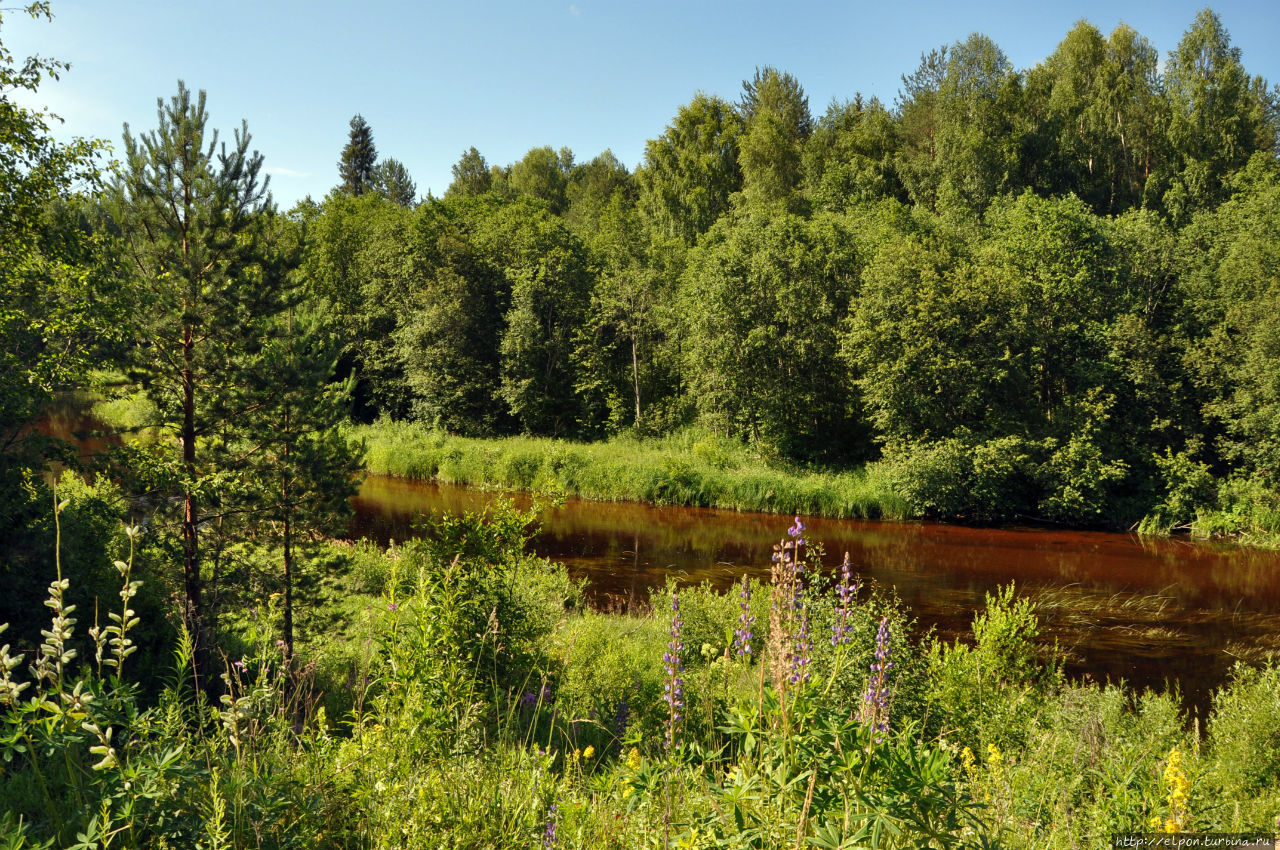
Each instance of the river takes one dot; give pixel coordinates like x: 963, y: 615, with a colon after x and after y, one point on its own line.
x: 1152, y: 612
x: 1148, y: 611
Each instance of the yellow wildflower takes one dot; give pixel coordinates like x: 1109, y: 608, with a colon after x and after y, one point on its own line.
x: 1179, y: 792
x: 970, y: 764
x: 588, y: 752
x: 998, y: 778
x: 995, y: 763
x: 633, y: 758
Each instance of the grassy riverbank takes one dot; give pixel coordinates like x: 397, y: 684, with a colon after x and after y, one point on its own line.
x: 690, y: 468
x: 696, y: 468
x: 453, y: 692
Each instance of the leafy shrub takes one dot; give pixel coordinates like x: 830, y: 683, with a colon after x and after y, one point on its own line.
x: 991, y: 691
x: 1077, y: 479
x: 481, y: 606
x: 367, y: 569
x: 1189, y: 488
x: 1244, y: 737
x: 1246, y: 508
x: 609, y: 682
x: 966, y: 477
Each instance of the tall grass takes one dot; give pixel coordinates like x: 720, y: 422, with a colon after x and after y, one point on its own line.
x: 690, y: 468
x: 133, y: 416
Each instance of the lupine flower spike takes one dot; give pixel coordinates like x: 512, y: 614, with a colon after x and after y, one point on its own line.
x: 796, y: 532
x: 549, y: 834
x: 846, y: 592
x: 803, y: 654
x: 675, y: 667
x: 875, y: 703
x: 788, y: 649
x: 743, y: 636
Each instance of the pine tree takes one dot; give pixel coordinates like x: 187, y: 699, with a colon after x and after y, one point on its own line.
x: 302, y: 471
x: 193, y: 217
x: 392, y: 181
x: 775, y: 112
x: 358, y: 165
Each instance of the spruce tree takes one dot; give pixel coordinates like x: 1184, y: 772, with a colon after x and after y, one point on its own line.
x: 358, y: 165
x: 471, y: 175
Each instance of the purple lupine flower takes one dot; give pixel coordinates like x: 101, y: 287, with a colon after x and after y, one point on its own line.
x: 549, y: 834
x: 623, y: 715
x: 791, y: 573
x: 803, y: 655
x: 797, y: 531
x: 742, y: 637
x: 543, y: 695
x: 797, y: 587
x: 674, y: 687
x: 875, y: 703
x: 846, y: 591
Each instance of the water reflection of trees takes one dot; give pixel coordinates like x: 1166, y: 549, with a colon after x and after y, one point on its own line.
x: 1230, y: 570
x: 67, y: 417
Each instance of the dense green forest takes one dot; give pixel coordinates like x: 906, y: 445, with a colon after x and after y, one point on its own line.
x: 1036, y: 293
x: 1047, y: 293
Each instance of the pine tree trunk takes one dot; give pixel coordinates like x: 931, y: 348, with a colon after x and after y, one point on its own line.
x: 190, y: 520
x: 288, y: 567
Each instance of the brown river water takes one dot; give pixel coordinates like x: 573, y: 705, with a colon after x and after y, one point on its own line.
x: 1152, y: 612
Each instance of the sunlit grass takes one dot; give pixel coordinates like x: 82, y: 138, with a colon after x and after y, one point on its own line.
x: 134, y: 416
x: 689, y: 468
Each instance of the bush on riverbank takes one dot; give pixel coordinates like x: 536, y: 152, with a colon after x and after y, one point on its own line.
x: 488, y: 709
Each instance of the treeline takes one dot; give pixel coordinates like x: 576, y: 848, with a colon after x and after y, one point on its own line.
x: 1044, y: 293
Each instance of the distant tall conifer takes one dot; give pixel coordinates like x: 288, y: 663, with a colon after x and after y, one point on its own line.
x: 358, y: 165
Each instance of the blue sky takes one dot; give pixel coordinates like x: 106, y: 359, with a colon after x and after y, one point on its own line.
x: 433, y: 79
